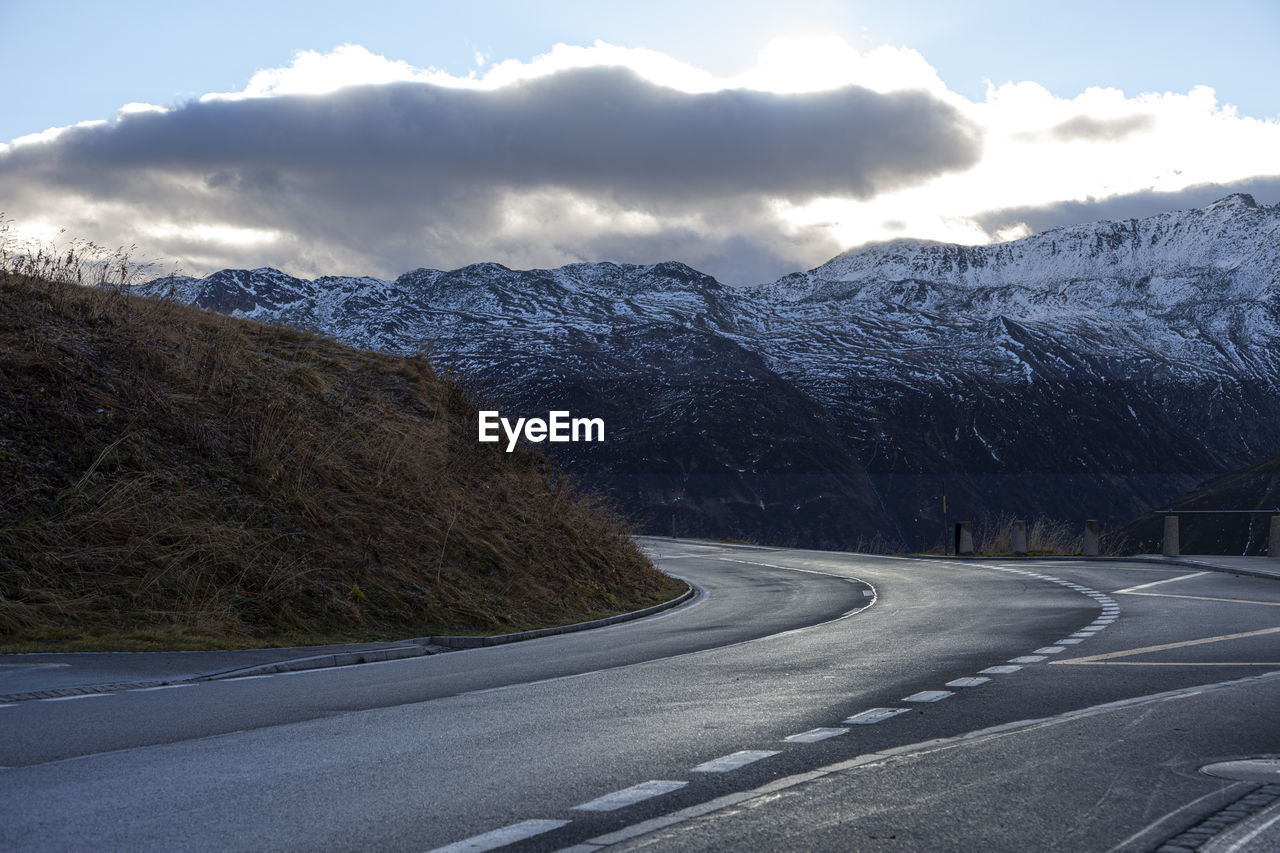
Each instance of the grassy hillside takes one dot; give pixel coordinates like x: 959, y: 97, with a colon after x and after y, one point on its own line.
x: 177, y: 479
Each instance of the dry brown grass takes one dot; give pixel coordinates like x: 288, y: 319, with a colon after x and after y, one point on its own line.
x: 172, y: 477
x: 1045, y: 537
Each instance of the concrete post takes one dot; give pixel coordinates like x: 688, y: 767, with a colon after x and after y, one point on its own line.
x: 1170, y: 536
x: 1020, y: 538
x: 964, y: 537
x: 1091, y: 538
x: 1273, y: 548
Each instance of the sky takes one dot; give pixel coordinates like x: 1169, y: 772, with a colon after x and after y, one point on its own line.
x: 747, y: 140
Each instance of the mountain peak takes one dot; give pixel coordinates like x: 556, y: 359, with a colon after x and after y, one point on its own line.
x: 682, y: 272
x: 1234, y: 200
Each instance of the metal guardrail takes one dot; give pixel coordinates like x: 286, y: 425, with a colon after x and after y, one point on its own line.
x: 1171, y: 547
x: 1216, y: 511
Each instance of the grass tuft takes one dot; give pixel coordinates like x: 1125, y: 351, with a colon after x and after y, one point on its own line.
x: 993, y: 535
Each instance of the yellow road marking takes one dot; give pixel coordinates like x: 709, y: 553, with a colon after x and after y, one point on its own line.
x: 1203, y: 598
x: 1168, y: 663
x: 1146, y: 649
x: 1109, y: 568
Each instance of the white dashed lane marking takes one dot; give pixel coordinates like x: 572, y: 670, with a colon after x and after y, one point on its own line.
x: 875, y: 715
x: 1070, y: 641
x: 734, y: 760
x: 1003, y: 669
x: 1028, y: 659
x: 501, y: 837
x: 929, y: 696
x: 814, y: 735
x: 969, y: 681
x: 1049, y: 650
x: 627, y: 796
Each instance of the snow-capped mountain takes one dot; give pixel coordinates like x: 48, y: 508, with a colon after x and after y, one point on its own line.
x: 1088, y: 371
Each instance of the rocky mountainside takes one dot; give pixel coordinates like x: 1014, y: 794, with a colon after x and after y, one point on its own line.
x: 1088, y: 371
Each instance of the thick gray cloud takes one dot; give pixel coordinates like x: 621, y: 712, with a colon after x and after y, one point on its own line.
x: 1265, y: 190
x: 1085, y: 128
x: 380, y: 179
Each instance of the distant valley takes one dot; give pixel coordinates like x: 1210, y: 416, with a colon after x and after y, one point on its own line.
x: 1089, y: 371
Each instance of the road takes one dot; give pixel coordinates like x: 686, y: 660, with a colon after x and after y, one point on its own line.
x: 807, y: 701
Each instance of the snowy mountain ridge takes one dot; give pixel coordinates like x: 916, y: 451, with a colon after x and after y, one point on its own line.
x: 1130, y: 358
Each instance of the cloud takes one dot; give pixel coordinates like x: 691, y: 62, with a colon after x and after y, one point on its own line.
x: 1083, y: 127
x: 1137, y: 205
x: 352, y: 162
x: 559, y: 167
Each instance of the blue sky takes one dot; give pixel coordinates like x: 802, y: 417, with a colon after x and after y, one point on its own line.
x: 1043, y: 147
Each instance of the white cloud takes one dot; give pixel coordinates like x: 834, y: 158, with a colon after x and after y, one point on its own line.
x: 225, y: 234
x: 314, y: 73
x: 638, y: 201
x: 1041, y: 149
x: 49, y: 134
x: 784, y: 66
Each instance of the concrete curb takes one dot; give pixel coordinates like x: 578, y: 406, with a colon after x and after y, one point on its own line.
x: 1161, y: 561
x: 88, y: 689
x: 419, y: 646
x: 321, y: 662
x: 412, y: 648
x: 502, y: 639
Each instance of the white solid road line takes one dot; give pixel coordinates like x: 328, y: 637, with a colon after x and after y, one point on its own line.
x: 815, y: 735
x: 1157, y: 583
x: 875, y: 715
x: 734, y: 760
x: 501, y: 837
x: 69, y: 698
x: 530, y: 683
x: 628, y: 796
x: 968, y: 681
x: 929, y: 696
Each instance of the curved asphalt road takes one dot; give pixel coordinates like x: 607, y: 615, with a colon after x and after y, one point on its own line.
x: 492, y: 745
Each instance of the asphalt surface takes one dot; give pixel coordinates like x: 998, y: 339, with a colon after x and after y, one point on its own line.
x: 544, y: 743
